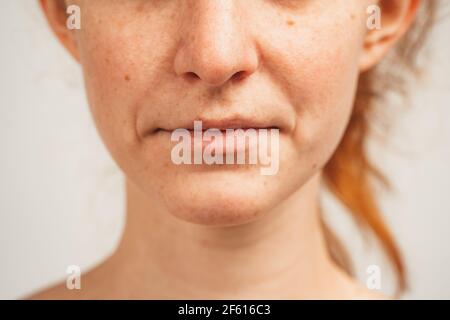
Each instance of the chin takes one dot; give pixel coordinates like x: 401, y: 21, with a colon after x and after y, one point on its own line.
x: 221, y: 198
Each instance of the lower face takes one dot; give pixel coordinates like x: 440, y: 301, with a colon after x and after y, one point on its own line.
x: 301, y: 64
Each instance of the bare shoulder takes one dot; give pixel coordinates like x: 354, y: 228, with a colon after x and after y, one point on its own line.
x: 362, y: 293
x: 92, y: 286
x: 56, y: 292
x: 359, y: 292
x: 352, y: 289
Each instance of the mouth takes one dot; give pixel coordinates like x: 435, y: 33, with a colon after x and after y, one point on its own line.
x: 225, y: 136
x: 223, y: 125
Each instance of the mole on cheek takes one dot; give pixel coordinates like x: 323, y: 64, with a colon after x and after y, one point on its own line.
x: 127, y: 78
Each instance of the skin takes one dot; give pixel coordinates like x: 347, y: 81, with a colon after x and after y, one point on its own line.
x: 202, y: 232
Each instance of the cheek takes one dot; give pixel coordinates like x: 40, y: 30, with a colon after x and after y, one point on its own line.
x: 326, y: 99
x: 107, y: 86
x: 321, y: 73
x: 117, y: 77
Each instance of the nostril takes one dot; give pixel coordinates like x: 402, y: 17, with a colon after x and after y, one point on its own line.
x: 214, y: 78
x: 239, y: 75
x: 191, y: 76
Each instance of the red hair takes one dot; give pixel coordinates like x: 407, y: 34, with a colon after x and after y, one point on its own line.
x: 350, y: 175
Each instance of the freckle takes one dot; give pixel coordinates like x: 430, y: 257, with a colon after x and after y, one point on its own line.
x: 127, y: 78
x: 353, y: 16
x: 290, y: 23
x: 140, y: 7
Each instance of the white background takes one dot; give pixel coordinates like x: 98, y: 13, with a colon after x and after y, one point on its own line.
x: 61, y: 196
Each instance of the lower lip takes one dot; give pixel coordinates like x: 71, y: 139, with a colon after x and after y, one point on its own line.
x: 223, y: 144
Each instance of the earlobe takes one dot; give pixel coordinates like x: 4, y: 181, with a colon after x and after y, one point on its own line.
x: 396, y: 18
x: 55, y: 12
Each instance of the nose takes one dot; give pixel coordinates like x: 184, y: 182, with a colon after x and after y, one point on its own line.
x: 215, y: 48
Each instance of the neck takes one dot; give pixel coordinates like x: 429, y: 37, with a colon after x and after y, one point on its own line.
x: 280, y: 255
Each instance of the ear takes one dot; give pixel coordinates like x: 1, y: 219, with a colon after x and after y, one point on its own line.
x: 55, y: 12
x: 397, y: 17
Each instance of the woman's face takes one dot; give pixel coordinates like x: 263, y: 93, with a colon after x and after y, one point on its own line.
x: 153, y: 66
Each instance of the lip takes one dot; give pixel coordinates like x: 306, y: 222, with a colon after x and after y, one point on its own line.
x: 223, y: 124
x: 229, y: 127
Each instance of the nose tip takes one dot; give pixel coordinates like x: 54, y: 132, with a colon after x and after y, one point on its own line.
x: 216, y: 50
